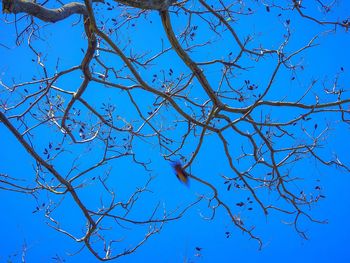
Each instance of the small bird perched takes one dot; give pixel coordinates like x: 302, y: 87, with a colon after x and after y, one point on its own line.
x: 181, y: 174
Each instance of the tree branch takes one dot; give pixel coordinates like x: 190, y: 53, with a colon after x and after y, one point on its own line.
x: 57, y: 14
x: 148, y: 4
x: 43, y: 13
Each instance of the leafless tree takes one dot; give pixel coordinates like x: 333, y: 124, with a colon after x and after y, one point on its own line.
x: 181, y: 94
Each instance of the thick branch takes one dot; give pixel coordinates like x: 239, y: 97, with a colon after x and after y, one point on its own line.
x: 57, y: 14
x: 148, y: 4
x: 43, y: 13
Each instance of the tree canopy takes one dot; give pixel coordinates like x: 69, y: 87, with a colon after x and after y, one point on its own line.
x: 244, y: 101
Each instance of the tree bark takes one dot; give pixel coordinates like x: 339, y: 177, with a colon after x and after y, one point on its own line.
x: 148, y: 4
x: 43, y: 13
x: 57, y: 14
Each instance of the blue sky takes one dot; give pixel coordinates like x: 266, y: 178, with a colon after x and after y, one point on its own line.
x: 178, y: 240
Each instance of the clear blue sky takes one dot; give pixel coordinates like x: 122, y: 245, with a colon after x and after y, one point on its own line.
x: 178, y: 240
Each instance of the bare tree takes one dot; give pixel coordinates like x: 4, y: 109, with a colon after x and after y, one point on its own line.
x: 173, y: 92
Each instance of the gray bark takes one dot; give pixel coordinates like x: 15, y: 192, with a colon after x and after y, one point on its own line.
x: 148, y: 4
x: 43, y: 13
x: 57, y: 14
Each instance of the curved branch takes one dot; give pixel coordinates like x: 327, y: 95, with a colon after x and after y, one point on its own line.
x: 186, y: 58
x: 297, y: 7
x: 43, y: 13
x: 49, y: 167
x: 57, y: 14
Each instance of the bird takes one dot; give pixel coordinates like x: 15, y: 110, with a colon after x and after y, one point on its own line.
x: 180, y: 173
